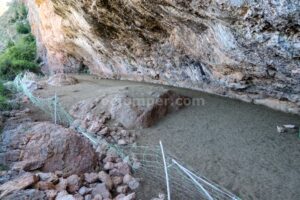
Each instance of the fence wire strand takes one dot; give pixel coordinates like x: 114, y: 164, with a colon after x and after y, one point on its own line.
x: 183, y: 184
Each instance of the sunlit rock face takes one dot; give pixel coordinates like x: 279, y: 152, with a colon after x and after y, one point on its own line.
x: 245, y: 49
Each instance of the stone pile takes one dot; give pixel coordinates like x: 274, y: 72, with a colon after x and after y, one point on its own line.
x: 98, y: 126
x: 116, y: 183
x: 48, y: 161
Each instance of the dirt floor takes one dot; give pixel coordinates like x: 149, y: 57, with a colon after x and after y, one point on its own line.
x: 232, y: 143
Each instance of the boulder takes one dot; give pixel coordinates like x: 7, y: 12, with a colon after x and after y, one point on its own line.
x: 133, y: 107
x: 18, y: 184
x: 49, y: 147
x: 61, y: 80
x: 27, y: 195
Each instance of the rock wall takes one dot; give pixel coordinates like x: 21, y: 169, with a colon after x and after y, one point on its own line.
x: 245, y: 49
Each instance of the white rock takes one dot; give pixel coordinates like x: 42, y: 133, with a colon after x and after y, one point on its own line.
x: 134, y: 184
x: 98, y: 197
x: 108, y: 166
x: 122, y: 142
x: 131, y: 196
x: 91, y: 177
x: 63, y: 195
x: 289, y: 126
x: 122, y: 189
x: 105, y: 178
x: 280, y: 129
x: 84, y: 190
x: 102, y: 190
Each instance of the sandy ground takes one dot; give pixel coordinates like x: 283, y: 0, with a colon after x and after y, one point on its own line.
x: 232, y: 143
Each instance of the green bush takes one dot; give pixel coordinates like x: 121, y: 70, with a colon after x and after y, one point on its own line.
x: 23, y: 28
x: 20, y: 12
x: 3, y: 99
x: 9, y: 43
x: 18, y: 57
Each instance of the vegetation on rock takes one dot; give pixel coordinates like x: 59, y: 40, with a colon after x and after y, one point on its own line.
x: 3, y: 98
x: 19, y: 55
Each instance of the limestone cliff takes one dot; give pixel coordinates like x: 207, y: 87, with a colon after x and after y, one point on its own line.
x: 245, y: 49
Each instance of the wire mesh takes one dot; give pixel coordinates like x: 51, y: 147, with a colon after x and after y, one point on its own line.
x: 184, y: 183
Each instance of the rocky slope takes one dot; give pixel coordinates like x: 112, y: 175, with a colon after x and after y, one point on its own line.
x: 243, y: 49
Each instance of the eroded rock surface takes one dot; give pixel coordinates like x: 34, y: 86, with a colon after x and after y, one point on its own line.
x: 244, y: 49
x: 47, y: 147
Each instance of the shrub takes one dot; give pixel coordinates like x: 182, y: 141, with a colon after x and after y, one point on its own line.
x: 20, y: 12
x: 3, y: 99
x: 9, y: 43
x: 23, y: 28
x: 18, y: 57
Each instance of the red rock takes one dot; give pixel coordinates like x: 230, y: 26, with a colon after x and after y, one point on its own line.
x: 104, y: 131
x: 121, y: 169
x: 91, y: 177
x: 95, y: 127
x: 62, y: 184
x: 105, y: 178
x: 17, y: 184
x: 54, y: 147
x: 108, y: 166
x: 73, y: 183
x: 117, y: 180
x: 43, y: 185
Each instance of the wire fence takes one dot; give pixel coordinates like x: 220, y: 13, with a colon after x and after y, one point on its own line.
x: 158, y: 169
